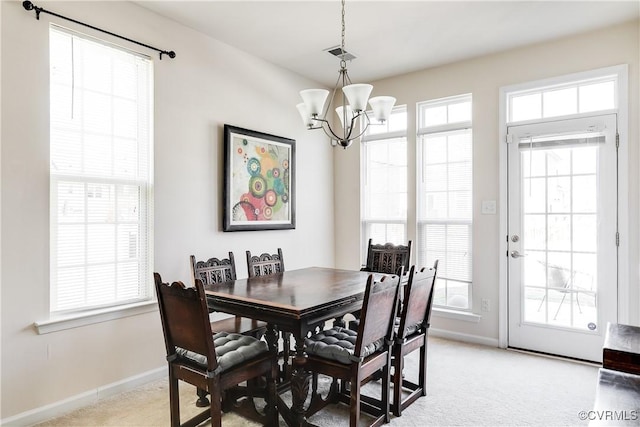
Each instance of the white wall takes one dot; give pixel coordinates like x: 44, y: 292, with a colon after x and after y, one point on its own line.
x: 483, y: 77
x: 207, y: 85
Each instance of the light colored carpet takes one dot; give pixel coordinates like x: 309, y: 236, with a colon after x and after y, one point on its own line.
x: 468, y: 385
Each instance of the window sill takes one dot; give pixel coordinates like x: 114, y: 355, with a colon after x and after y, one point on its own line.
x: 457, y: 315
x: 95, y: 316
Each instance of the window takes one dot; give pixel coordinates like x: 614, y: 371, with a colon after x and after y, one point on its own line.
x: 445, y: 197
x: 384, y: 217
x: 100, y: 173
x: 564, y: 99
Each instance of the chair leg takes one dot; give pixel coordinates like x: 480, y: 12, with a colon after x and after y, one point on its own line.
x: 386, y: 391
x: 578, y: 302
x: 542, y: 302
x: 560, y: 306
x: 354, y: 403
x: 397, y: 382
x: 272, y: 397
x: 216, y: 405
x: 174, y: 399
x: 422, y: 381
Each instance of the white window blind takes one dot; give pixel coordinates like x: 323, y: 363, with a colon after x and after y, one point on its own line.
x: 384, y: 202
x: 445, y: 197
x: 100, y: 152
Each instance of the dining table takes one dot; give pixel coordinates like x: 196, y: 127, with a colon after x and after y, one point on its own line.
x: 296, y: 301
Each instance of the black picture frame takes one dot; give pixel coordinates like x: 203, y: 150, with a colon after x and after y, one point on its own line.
x: 259, y: 181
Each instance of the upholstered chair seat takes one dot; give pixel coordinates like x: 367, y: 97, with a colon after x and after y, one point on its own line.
x: 231, y: 349
x: 339, y: 344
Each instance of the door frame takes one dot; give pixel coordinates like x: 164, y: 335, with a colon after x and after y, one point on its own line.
x: 623, y: 186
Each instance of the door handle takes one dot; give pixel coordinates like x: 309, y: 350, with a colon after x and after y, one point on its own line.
x: 516, y: 254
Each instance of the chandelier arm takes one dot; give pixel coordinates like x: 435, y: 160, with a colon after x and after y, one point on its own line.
x: 329, y: 132
x: 364, y: 129
x: 326, y: 127
x: 333, y: 94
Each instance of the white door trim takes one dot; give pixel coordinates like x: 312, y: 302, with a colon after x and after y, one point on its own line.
x: 623, y: 189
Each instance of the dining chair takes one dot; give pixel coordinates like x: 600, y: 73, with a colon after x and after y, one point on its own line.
x: 383, y: 258
x: 214, y: 272
x: 561, y: 280
x: 387, y: 258
x: 211, y: 362
x: 264, y: 265
x: 355, y: 356
x: 412, y: 329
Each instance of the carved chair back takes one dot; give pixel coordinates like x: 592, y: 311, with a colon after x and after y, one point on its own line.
x: 387, y: 258
x: 214, y: 270
x: 185, y: 320
x: 265, y: 264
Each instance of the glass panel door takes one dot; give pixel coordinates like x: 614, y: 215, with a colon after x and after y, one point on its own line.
x: 562, y: 235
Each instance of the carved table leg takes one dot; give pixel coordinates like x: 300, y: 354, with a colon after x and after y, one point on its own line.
x: 299, y: 384
x: 202, y: 398
x: 271, y: 336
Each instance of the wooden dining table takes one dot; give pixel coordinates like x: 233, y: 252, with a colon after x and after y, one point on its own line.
x: 295, y: 301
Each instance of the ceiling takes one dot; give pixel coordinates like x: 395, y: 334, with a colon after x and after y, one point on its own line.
x: 387, y: 37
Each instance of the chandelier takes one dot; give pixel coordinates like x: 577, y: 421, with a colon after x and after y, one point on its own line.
x: 352, y: 105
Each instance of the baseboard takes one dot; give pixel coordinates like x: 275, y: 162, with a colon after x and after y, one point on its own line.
x: 47, y: 412
x: 457, y: 336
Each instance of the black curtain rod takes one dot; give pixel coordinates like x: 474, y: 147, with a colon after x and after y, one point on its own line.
x: 30, y: 6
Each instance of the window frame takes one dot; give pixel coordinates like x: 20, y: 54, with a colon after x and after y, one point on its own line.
x: 366, y: 222
x: 424, y: 131
x: 577, y: 80
x: 63, y: 318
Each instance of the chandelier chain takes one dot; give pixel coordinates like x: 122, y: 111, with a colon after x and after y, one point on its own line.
x: 354, y: 118
x: 342, y: 51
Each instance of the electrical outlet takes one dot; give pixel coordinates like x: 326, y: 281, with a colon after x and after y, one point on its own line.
x: 485, y: 305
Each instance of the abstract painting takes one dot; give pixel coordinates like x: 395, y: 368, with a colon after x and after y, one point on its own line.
x: 259, y: 171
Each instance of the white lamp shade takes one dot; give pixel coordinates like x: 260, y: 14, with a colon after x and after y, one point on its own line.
x: 339, y: 112
x: 382, y: 106
x: 358, y: 94
x: 304, y: 113
x: 314, y: 100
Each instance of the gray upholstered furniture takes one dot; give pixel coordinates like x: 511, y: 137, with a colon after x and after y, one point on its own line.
x: 218, y: 272
x: 354, y: 356
x: 213, y: 363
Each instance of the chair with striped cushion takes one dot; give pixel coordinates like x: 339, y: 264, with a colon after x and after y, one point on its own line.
x: 211, y: 362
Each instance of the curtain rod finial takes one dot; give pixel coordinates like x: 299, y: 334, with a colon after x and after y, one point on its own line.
x: 27, y: 5
x: 171, y: 54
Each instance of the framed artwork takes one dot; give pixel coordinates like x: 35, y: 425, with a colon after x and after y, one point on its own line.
x: 259, y: 181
